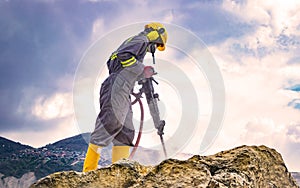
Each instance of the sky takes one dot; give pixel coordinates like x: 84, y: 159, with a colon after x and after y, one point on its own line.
x: 255, y: 44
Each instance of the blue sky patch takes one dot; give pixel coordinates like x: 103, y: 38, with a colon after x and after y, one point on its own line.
x: 295, y: 88
x: 295, y: 104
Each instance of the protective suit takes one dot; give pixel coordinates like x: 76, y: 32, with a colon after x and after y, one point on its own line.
x: 114, y: 122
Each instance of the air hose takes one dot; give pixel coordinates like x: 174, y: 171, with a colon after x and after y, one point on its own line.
x: 138, y: 99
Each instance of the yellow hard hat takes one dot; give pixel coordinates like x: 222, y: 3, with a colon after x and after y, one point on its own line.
x: 160, y: 28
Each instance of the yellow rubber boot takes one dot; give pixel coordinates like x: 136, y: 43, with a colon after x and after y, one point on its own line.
x: 119, y: 152
x: 92, y: 157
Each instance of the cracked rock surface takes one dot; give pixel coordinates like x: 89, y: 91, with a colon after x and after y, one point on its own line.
x: 244, y: 166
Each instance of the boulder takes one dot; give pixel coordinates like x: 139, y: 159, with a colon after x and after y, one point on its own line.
x: 244, y: 166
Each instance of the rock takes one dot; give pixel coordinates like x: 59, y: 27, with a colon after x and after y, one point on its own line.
x: 244, y: 166
x: 12, y: 182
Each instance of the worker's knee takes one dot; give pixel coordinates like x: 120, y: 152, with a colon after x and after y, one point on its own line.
x: 108, y: 120
x: 125, y: 137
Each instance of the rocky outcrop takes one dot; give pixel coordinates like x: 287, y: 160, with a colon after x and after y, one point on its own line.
x: 245, y: 166
x: 12, y: 182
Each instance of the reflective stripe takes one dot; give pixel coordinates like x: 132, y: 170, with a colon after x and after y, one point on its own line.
x: 128, y: 62
x: 128, y: 40
x: 113, y: 56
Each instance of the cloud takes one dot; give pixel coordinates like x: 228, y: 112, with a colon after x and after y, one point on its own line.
x: 57, y: 106
x: 100, y: 1
x: 291, y: 71
x: 293, y: 132
x: 41, y: 44
x: 263, y: 131
x: 64, y: 128
x: 261, y: 109
x: 277, y: 14
x: 98, y: 29
x: 276, y: 23
x: 211, y: 22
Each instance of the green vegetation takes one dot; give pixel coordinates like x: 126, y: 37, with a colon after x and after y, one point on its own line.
x: 8, y: 147
x: 17, y: 159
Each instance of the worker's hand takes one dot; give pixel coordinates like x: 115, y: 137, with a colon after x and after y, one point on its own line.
x: 149, y: 71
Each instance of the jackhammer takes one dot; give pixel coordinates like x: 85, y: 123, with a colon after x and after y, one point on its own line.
x: 152, y: 98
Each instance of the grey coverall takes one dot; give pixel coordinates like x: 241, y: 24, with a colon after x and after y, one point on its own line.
x: 114, y: 122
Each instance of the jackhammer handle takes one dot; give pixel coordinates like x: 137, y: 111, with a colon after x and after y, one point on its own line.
x: 160, y: 129
x: 152, y: 79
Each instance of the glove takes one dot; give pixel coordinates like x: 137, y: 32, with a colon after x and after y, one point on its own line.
x: 148, y: 71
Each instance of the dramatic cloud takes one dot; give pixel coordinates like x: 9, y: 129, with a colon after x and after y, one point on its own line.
x: 41, y: 44
x: 262, y: 102
x: 57, y: 106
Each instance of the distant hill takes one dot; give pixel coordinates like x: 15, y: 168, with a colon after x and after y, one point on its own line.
x: 67, y: 154
x: 296, y: 175
x: 8, y: 147
x: 75, y: 143
x: 17, y: 159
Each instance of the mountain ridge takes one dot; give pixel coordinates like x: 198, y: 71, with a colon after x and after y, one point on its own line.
x: 18, y: 159
x: 8, y: 146
x: 77, y: 142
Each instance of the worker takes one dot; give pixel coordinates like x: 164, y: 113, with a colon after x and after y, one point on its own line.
x: 114, y: 122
